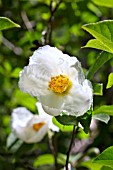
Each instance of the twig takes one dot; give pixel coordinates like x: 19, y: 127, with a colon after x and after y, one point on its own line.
x: 26, y: 21
x: 7, y: 43
x: 69, y: 150
x: 48, y: 33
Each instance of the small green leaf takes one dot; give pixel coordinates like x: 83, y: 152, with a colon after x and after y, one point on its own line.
x: 108, y: 3
x: 102, y: 117
x: 105, y: 109
x: 98, y: 89
x: 101, y: 59
x: 67, y: 120
x: 105, y: 158
x: 44, y: 160
x: 103, y: 32
x: 110, y: 81
x: 15, y: 73
x: 62, y: 127
x: 94, y: 43
x: 6, y: 23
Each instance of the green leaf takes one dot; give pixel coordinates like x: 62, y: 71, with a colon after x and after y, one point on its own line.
x: 101, y: 59
x: 67, y: 120
x: 85, y: 121
x: 44, y: 160
x: 62, y: 127
x: 98, y: 89
x: 94, y: 43
x: 110, y: 81
x: 105, y: 109
x: 105, y: 158
x: 102, y: 117
x: 106, y: 168
x: 6, y: 23
x: 91, y: 166
x: 103, y: 32
x: 108, y: 3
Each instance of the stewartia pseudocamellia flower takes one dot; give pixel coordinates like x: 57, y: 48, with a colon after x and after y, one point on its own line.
x: 58, y: 81
x: 31, y: 128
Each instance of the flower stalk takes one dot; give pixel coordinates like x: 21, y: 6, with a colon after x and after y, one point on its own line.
x: 69, y: 150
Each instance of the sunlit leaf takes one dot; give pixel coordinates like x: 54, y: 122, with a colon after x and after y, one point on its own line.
x: 62, y: 127
x: 91, y: 166
x: 105, y: 109
x: 6, y: 23
x: 43, y: 160
x: 110, y: 81
x: 98, y: 89
x: 105, y: 158
x: 103, y: 32
x: 108, y: 3
x: 101, y: 59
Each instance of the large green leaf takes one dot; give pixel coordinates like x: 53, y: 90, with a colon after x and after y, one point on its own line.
x: 110, y: 81
x: 105, y: 158
x: 102, y: 59
x: 6, y: 23
x: 103, y: 32
x: 105, y: 109
x: 108, y: 3
x: 43, y: 160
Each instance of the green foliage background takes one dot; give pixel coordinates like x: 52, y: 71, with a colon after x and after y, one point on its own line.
x: 17, y: 44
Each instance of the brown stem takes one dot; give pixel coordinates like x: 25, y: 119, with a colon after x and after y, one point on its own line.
x: 69, y: 150
x: 53, y: 152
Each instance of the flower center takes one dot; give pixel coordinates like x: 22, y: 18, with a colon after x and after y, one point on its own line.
x: 37, y: 126
x: 60, y: 84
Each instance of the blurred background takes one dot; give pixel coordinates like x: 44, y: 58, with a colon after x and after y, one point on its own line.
x: 62, y: 29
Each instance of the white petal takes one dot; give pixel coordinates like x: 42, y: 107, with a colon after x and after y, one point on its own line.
x: 79, y: 99
x: 34, y: 80
x: 48, y: 117
x: 52, y: 111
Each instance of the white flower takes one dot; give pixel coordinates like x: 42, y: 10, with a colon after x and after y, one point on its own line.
x: 28, y: 127
x: 57, y: 80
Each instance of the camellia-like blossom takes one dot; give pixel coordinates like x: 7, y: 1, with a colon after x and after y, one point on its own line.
x: 57, y: 80
x: 31, y: 128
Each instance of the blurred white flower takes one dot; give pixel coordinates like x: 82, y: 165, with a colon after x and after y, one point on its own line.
x: 57, y: 80
x: 28, y: 127
x: 69, y: 167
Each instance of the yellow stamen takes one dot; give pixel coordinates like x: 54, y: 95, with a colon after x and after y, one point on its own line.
x: 60, y: 84
x: 37, y: 126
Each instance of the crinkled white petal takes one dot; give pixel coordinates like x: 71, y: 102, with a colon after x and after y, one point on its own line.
x: 34, y: 80
x: 79, y: 99
x: 22, y: 125
x: 51, y: 111
x: 48, y: 117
